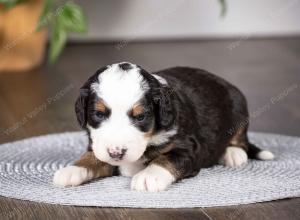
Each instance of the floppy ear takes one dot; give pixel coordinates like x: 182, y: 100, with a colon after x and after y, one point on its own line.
x: 164, y: 107
x: 81, y: 107
x: 81, y: 104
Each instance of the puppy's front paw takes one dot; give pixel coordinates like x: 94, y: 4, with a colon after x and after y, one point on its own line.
x: 71, y: 176
x: 234, y: 157
x: 154, y: 178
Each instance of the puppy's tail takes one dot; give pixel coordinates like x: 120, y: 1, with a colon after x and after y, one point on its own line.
x: 256, y: 153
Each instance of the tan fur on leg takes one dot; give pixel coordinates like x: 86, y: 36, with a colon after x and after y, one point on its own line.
x: 88, y: 167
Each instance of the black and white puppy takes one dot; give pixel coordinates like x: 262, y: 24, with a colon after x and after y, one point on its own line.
x: 158, y: 128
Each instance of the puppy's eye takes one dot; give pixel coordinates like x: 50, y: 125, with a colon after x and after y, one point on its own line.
x: 100, y: 115
x: 140, y: 117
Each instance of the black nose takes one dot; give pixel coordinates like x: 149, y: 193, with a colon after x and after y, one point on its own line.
x: 117, y: 153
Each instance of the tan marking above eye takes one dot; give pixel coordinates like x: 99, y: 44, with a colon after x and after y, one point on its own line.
x: 100, y: 106
x: 137, y: 109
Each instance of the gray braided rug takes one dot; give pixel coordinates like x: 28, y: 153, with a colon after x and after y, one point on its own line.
x: 27, y: 167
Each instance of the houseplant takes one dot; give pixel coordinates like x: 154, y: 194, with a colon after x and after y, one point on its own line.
x: 23, y: 30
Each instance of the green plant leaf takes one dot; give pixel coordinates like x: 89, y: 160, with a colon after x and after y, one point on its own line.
x: 223, y: 7
x: 73, y: 18
x: 58, y: 40
x: 45, y: 17
x: 70, y: 18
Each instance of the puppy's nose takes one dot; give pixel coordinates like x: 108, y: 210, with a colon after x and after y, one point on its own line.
x: 117, y: 152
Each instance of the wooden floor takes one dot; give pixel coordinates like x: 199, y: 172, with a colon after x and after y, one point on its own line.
x: 42, y: 101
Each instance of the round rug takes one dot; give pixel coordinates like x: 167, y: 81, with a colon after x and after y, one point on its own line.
x: 27, y: 168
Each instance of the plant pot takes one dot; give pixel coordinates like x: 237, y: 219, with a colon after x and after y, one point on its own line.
x: 21, y: 47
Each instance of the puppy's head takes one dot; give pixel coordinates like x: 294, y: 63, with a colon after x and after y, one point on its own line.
x: 122, y: 106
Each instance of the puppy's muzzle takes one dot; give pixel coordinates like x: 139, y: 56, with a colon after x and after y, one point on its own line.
x: 117, y: 152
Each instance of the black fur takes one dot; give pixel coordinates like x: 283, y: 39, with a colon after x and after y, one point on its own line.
x: 81, y: 107
x: 160, y: 96
x: 207, y: 108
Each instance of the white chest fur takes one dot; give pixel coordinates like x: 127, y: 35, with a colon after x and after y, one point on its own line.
x: 131, y: 169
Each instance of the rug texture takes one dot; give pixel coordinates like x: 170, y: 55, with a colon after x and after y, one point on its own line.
x: 27, y: 168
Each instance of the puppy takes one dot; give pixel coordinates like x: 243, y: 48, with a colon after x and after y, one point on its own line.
x: 158, y: 128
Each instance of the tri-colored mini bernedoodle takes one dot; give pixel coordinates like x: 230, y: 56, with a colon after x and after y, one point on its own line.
x: 158, y: 128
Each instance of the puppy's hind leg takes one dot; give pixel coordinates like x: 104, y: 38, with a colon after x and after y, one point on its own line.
x: 240, y: 149
x: 236, y: 152
x: 234, y: 157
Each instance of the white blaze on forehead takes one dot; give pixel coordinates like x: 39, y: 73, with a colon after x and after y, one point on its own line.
x: 120, y: 89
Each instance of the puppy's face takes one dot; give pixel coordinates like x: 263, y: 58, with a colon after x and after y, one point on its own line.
x: 118, y: 113
x: 121, y: 112
x: 120, y: 117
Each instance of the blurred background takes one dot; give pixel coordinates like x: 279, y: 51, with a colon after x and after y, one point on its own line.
x: 190, y: 19
x: 49, y: 48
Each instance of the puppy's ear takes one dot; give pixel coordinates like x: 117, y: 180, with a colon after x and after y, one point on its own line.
x: 81, y: 104
x: 81, y: 107
x: 164, y: 107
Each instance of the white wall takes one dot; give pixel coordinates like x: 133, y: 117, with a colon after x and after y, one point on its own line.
x: 164, y: 19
